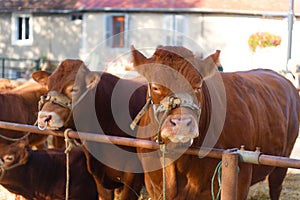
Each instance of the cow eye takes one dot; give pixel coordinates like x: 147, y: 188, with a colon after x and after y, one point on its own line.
x: 197, y: 90
x: 74, y: 90
x: 155, y: 89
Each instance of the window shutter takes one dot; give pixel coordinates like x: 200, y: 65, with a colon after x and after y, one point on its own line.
x: 168, y: 25
x: 179, y: 27
x: 108, y: 30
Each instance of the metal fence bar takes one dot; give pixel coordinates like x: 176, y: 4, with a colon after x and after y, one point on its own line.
x: 276, y: 161
x: 14, y: 68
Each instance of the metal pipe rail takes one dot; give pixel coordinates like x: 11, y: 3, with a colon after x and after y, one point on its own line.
x: 277, y: 161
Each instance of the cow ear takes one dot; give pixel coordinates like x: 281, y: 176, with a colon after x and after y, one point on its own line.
x: 41, y: 77
x: 139, y: 60
x: 137, y: 57
x: 208, y: 66
x: 92, y: 80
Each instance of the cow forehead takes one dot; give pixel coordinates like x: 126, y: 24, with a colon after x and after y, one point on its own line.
x: 174, y: 64
x: 176, y: 79
x: 66, y: 74
x: 60, y: 81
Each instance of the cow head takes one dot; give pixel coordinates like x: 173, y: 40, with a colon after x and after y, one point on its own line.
x: 12, y: 156
x: 175, y: 79
x: 56, y: 107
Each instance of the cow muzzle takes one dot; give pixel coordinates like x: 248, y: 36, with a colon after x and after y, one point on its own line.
x: 180, y: 128
x: 50, y: 120
x: 177, y: 127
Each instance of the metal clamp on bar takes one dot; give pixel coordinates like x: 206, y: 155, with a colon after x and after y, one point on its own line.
x: 249, y: 156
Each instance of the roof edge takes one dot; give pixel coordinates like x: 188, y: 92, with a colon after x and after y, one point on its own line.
x: 158, y: 10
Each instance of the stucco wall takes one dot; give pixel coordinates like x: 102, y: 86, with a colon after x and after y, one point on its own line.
x: 230, y: 34
x: 54, y: 37
x: 210, y: 32
x: 58, y: 38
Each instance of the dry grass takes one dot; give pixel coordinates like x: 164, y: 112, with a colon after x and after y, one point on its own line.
x: 290, y: 191
x: 260, y: 191
x: 5, y: 195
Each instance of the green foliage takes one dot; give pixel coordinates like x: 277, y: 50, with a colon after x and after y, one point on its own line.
x: 262, y: 40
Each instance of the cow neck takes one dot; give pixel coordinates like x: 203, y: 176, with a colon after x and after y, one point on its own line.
x: 7, y: 113
x: 103, y: 106
x: 205, y: 116
x: 30, y: 96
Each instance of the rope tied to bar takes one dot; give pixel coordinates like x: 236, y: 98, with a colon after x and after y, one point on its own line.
x: 70, y: 144
x: 15, y: 139
x: 163, y: 150
x: 20, y: 138
x: 218, y: 173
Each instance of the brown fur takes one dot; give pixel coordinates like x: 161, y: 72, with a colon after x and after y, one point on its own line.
x: 6, y: 84
x: 19, y: 105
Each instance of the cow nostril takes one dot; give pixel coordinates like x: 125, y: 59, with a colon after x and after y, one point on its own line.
x: 180, y: 121
x: 45, y: 118
x: 173, y: 121
x: 48, y: 118
x: 188, y: 121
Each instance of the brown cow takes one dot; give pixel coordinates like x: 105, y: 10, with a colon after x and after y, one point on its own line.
x: 6, y: 84
x: 262, y: 111
x: 64, y: 84
x: 41, y: 174
x: 19, y: 105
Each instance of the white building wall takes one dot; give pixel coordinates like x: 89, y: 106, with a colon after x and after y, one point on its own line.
x: 58, y: 38
x: 230, y: 35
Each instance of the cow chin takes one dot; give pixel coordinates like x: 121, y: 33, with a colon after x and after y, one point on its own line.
x: 54, y: 128
x: 179, y: 138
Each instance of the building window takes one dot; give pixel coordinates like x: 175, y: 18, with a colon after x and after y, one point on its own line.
x: 76, y: 17
x: 115, y: 27
x: 22, y: 29
x: 118, y: 31
x: 176, y: 25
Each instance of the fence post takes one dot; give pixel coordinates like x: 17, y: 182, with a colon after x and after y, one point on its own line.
x: 229, y: 175
x: 37, y: 64
x: 3, y: 67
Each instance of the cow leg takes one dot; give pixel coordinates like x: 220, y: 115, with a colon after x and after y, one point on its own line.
x: 275, y: 182
x: 39, y: 141
x: 103, y: 193
x: 244, y: 180
x: 98, y: 171
x: 132, y: 186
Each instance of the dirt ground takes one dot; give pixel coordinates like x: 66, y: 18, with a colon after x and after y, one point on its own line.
x: 260, y: 191
x: 291, y: 185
